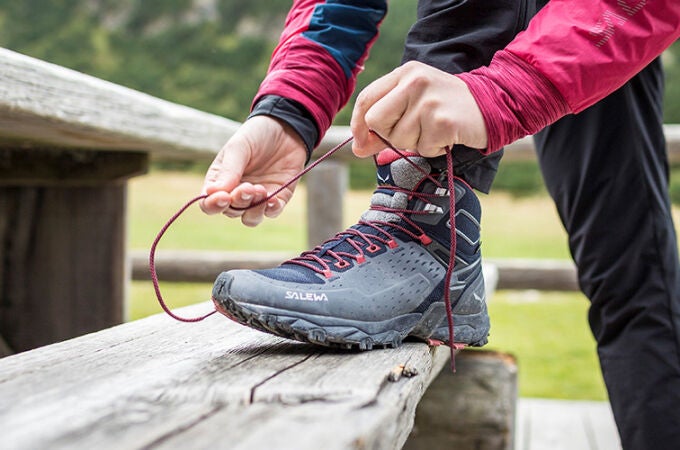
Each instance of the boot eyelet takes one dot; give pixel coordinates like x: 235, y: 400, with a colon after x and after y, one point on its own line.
x: 341, y: 264
x: 373, y: 248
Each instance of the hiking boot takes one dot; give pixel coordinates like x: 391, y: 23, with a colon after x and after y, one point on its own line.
x: 381, y: 280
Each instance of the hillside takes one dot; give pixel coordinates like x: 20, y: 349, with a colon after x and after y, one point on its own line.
x: 209, y: 54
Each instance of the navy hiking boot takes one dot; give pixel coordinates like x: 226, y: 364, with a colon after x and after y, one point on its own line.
x: 381, y: 280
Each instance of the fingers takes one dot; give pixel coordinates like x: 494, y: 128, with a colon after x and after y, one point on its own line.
x: 274, y: 207
x: 366, y: 143
x: 419, y: 108
x: 222, y: 177
x: 248, y: 196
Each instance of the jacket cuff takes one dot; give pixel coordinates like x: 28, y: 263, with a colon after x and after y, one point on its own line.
x: 515, y: 99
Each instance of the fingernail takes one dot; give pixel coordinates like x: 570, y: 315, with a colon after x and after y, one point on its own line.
x: 246, y: 197
x: 222, y: 203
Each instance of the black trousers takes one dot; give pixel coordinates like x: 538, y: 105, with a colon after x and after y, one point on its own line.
x: 607, y: 171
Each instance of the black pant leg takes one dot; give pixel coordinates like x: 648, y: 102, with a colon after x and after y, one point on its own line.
x: 460, y: 35
x: 607, y: 170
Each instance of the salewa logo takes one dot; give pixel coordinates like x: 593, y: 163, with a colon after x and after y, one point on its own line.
x: 383, y: 180
x: 306, y: 296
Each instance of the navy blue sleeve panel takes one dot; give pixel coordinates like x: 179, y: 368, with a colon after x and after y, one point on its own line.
x: 346, y: 28
x: 320, y: 53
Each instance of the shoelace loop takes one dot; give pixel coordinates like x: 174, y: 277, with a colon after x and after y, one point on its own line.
x: 164, y: 228
x: 369, y: 239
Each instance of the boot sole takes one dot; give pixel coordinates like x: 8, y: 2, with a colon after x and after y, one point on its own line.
x: 471, y: 329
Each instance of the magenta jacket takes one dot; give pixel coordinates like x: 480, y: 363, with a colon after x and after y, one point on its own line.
x: 573, y: 54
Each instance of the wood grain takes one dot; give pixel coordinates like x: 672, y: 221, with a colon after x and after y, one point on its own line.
x: 62, y: 262
x: 475, y: 408
x: 156, y: 383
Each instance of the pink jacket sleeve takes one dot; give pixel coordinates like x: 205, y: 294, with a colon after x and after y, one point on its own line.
x: 574, y: 53
x: 320, y: 53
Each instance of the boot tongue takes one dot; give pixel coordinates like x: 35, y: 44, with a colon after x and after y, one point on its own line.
x: 394, y: 170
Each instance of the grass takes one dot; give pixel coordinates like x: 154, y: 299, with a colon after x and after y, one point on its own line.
x: 547, y: 331
x: 154, y: 198
x: 549, y: 335
x: 526, y: 227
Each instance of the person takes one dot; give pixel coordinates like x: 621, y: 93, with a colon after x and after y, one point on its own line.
x: 583, y: 76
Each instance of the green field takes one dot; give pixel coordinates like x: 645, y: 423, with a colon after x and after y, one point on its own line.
x: 546, y: 331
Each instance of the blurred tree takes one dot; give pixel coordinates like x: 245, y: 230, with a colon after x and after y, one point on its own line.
x: 212, y: 54
x: 671, y: 59
x: 209, y: 54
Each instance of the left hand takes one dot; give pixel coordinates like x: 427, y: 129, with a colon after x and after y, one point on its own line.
x: 418, y: 108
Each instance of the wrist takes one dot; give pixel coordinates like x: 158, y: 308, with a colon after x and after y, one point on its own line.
x: 293, y: 115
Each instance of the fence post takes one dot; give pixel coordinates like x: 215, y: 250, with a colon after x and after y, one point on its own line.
x: 326, y: 187
x: 475, y: 408
x: 62, y: 242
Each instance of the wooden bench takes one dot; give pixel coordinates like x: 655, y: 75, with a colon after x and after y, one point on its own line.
x: 157, y: 383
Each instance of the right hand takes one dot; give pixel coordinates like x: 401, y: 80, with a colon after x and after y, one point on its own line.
x: 261, y: 157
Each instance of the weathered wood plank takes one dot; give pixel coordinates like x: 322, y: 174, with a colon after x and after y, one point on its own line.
x: 62, y: 263
x: 215, y: 384
x: 474, y: 408
x: 342, y: 409
x: 45, y: 103
x: 68, y: 167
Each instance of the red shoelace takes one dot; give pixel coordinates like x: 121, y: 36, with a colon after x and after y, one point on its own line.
x: 352, y: 236
x: 319, y: 258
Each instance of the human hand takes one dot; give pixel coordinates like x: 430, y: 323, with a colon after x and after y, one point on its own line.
x: 419, y: 108
x: 262, y: 156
